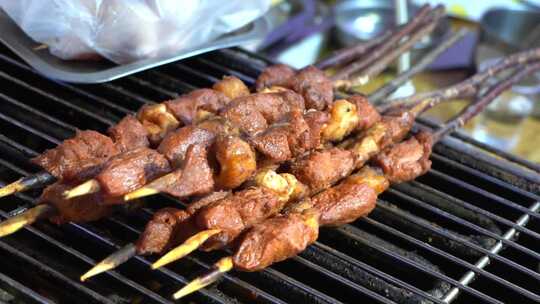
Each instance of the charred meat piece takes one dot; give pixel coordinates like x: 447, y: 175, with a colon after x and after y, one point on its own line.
x: 77, y: 157
x: 397, y: 126
x: 367, y: 113
x: 406, y: 160
x: 170, y: 226
x: 254, y: 113
x: 131, y: 170
x: 232, y: 87
x: 194, y: 177
x: 80, y: 209
x: 310, y: 138
x: 314, y: 86
x: 237, y: 161
x: 185, y: 107
x: 276, y: 239
x: 129, y: 134
x: 275, y: 75
x: 319, y: 170
x: 237, y: 212
x: 344, y: 203
x: 174, y: 146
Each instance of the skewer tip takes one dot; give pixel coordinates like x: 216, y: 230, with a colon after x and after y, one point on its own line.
x: 14, y: 187
x: 17, y: 222
x: 141, y: 192
x: 111, y: 262
x: 88, y: 187
x: 186, y: 248
x: 222, y: 266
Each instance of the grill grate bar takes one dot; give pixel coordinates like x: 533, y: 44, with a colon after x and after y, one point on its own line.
x: 377, y: 272
x: 209, y: 65
x: 55, y: 99
x: 444, y: 233
x: 24, y: 149
x: 443, y: 254
x: 38, y: 113
x: 485, y: 260
x: 485, y: 193
x: 26, y: 68
x: 421, y: 268
x: 22, y: 291
x: 30, y: 129
x: 55, y: 274
x: 476, y: 209
x: 146, y: 84
x: 467, y: 224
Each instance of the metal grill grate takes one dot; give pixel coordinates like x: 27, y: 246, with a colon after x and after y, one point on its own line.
x: 467, y: 232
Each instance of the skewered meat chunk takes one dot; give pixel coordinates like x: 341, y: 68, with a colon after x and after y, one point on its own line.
x: 194, y: 177
x: 81, y: 209
x: 254, y: 113
x: 77, y: 157
x: 406, y: 160
x: 367, y: 113
x: 314, y: 86
x: 237, y: 212
x: 275, y: 240
x: 232, y: 87
x: 275, y: 75
x: 185, y: 107
x: 157, y: 120
x: 237, y: 161
x: 167, y: 227
x: 170, y: 226
x: 129, y: 134
x: 131, y: 170
x: 321, y: 169
x: 175, y: 145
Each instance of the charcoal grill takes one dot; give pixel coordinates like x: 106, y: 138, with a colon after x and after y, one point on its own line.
x: 466, y: 232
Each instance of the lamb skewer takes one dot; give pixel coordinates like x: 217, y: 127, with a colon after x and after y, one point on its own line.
x: 162, y: 121
x: 286, y: 235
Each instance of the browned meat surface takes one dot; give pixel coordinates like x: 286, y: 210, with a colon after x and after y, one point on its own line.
x: 367, y: 113
x: 309, y: 137
x: 185, y: 107
x: 170, y: 227
x: 218, y: 125
x: 131, y: 170
x: 232, y: 87
x: 321, y: 169
x: 195, y: 177
x: 275, y: 75
x: 167, y: 228
x: 77, y: 157
x: 274, y: 240
x: 129, y: 134
x: 237, y: 161
x: 174, y: 146
x: 273, y: 143
x: 157, y: 120
x: 397, y: 126
x: 237, y: 212
x: 407, y: 160
x: 314, y: 86
x: 254, y: 113
x: 80, y: 209
x: 344, y: 203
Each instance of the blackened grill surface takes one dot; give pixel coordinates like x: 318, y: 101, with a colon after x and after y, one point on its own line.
x: 418, y: 246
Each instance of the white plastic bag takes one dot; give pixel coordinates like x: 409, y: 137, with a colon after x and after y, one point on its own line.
x: 128, y: 30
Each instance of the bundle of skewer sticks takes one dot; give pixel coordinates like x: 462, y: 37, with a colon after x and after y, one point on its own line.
x: 158, y: 119
x: 363, y: 147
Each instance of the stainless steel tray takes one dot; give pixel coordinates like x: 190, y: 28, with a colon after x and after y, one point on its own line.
x: 93, y: 72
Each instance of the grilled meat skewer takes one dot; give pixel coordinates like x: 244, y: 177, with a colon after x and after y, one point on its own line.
x: 158, y: 119
x: 286, y: 235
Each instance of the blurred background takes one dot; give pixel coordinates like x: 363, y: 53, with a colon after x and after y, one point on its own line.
x: 305, y: 30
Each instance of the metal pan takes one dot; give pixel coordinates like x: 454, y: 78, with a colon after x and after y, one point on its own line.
x: 101, y: 71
